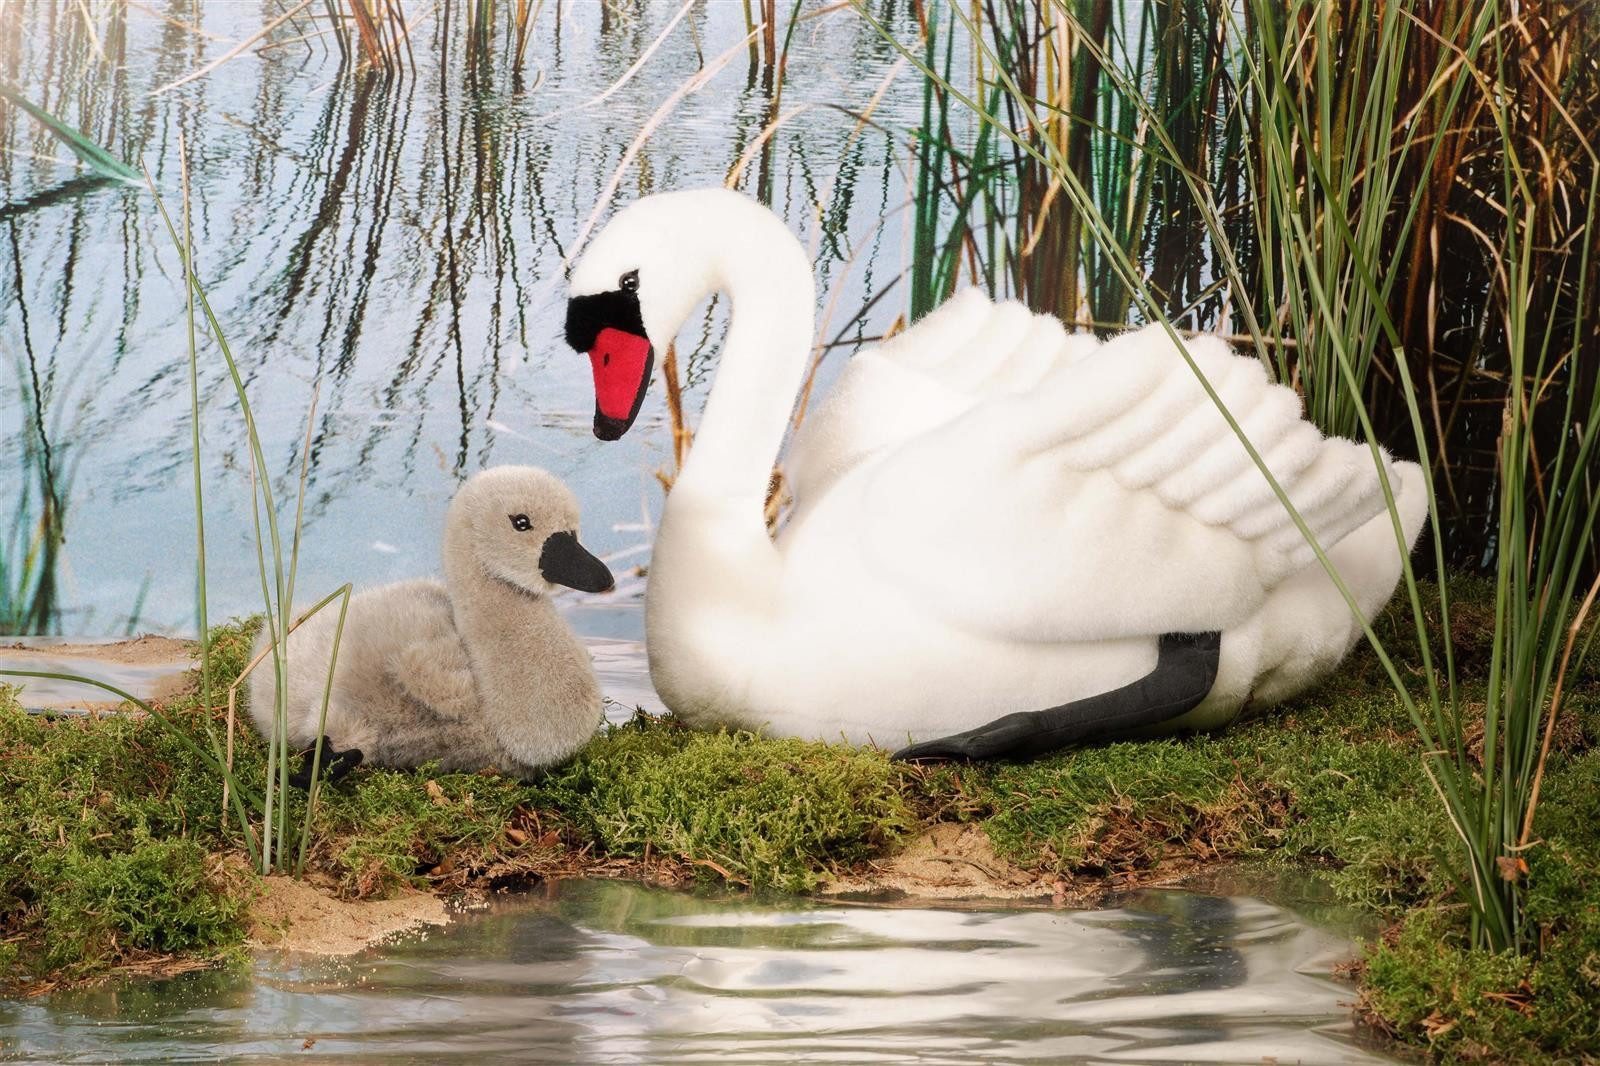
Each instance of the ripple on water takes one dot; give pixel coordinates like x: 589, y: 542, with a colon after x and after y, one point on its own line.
x: 617, y: 973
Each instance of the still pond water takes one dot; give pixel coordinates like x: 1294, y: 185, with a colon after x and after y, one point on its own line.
x: 401, y: 243
x: 616, y: 973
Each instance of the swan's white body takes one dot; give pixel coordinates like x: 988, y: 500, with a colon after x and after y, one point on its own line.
x: 990, y: 515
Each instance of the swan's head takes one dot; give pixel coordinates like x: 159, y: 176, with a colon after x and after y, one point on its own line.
x: 520, y: 524
x: 637, y: 282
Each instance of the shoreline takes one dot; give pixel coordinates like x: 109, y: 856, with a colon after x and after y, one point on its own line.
x: 309, y: 917
x: 1331, y: 782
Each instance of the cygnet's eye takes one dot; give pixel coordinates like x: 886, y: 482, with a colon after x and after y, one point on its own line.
x: 629, y: 282
x: 520, y: 523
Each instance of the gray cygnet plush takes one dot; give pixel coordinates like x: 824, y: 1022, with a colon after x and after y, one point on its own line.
x: 477, y: 671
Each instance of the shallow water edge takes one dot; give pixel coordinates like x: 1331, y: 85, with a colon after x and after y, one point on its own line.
x: 612, y: 972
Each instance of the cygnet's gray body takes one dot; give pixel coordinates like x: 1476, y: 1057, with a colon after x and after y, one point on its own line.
x: 477, y: 671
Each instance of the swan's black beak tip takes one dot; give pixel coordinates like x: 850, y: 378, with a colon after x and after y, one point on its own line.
x: 607, y: 428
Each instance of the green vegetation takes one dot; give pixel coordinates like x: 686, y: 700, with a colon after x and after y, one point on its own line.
x: 32, y: 540
x: 1370, y: 137
x: 114, y: 852
x: 91, y: 154
x: 758, y: 812
x: 1427, y: 984
x: 110, y: 855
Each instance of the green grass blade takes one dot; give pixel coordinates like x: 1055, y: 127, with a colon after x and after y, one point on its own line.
x: 95, y: 157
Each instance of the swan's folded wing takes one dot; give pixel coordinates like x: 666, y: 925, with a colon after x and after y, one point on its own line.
x: 437, y: 674
x: 1113, y: 499
x: 938, y: 369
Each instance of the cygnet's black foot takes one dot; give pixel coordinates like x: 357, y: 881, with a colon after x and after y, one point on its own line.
x: 335, y: 764
x: 1186, y: 668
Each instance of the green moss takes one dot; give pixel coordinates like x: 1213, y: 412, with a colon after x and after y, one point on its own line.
x: 770, y: 813
x: 108, y: 845
x: 388, y: 828
x: 1125, y: 806
x: 764, y: 813
x: 146, y: 896
x: 1428, y: 987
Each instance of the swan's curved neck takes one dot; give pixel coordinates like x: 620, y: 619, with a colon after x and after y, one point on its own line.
x: 767, y: 278
x: 714, y: 572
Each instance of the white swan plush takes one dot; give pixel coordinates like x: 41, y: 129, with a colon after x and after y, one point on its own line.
x: 1005, y: 538
x: 478, y: 671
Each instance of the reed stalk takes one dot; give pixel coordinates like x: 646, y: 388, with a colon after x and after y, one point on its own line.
x: 1060, y: 149
x: 281, y: 845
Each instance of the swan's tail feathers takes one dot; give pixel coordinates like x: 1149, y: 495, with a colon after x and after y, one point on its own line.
x: 1186, y: 668
x: 1369, y: 560
x: 1196, y: 462
x: 1306, y: 627
x: 1139, y: 411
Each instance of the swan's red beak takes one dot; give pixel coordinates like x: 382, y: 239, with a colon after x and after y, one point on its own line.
x: 607, y: 325
x: 622, y: 362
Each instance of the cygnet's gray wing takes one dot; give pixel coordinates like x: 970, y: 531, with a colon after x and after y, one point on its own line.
x: 428, y: 661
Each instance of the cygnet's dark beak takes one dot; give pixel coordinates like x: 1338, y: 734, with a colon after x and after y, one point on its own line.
x: 563, y: 561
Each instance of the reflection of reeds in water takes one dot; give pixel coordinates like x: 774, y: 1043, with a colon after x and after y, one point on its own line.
x: 377, y: 34
x: 1407, y: 235
x: 30, y: 546
x: 395, y: 238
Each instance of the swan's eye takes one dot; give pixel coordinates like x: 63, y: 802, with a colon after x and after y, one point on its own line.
x: 520, y: 523
x: 629, y: 282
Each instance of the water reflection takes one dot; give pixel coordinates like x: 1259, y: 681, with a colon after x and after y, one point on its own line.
x: 611, y: 973
x: 399, y: 240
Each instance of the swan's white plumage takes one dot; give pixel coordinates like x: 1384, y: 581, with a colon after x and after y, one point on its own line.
x: 1116, y: 462
x: 991, y: 514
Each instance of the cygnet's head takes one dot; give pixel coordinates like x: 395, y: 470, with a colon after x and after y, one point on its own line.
x: 520, y: 524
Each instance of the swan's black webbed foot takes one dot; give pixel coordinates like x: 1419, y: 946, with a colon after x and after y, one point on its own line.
x: 1186, y: 668
x: 335, y: 764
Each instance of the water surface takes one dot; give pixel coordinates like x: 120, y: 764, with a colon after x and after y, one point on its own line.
x: 616, y: 973
x: 400, y: 243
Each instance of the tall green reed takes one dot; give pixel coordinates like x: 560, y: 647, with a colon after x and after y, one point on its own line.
x: 31, y: 545
x: 281, y: 843
x: 992, y: 204
x: 279, y: 836
x: 1352, y: 123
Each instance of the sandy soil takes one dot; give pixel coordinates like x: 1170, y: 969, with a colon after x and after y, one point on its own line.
x: 150, y: 667
x: 148, y: 650
x: 947, y: 862
x: 296, y: 916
